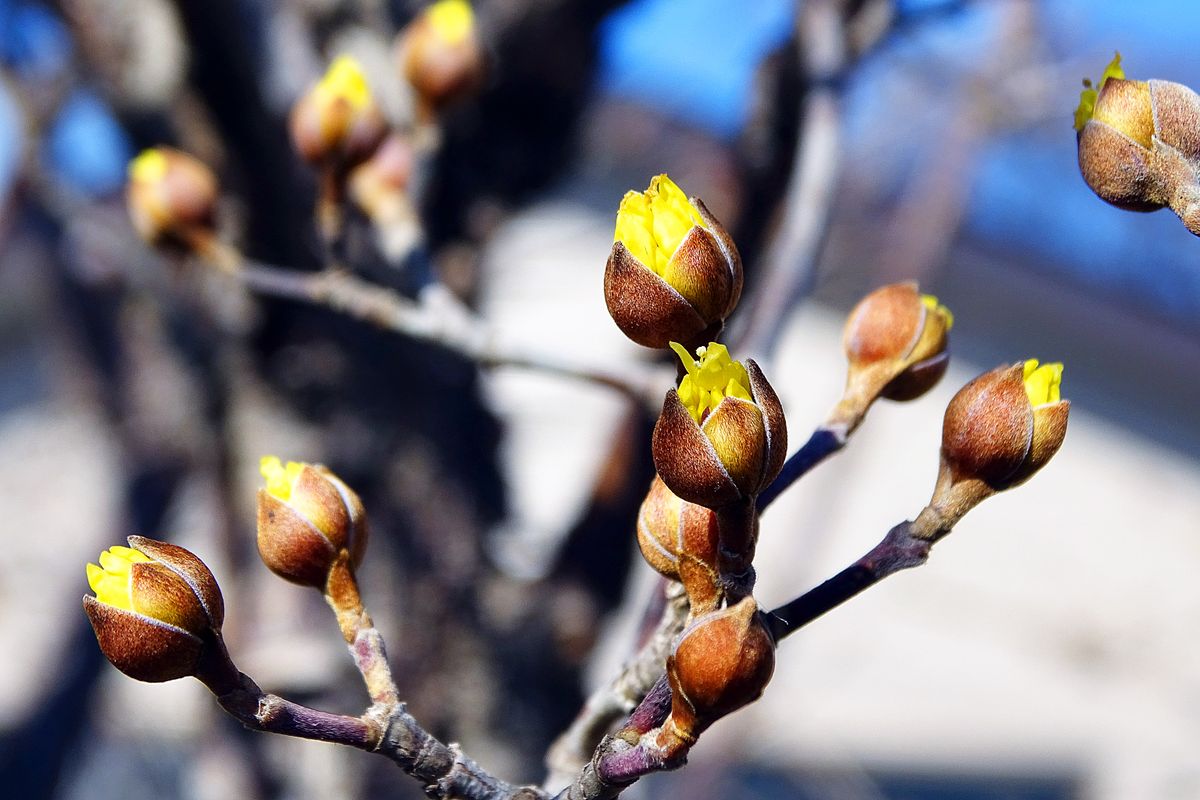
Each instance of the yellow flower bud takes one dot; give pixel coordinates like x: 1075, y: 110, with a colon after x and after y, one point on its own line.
x: 338, y: 121
x: 721, y: 436
x: 307, y: 518
x: 157, y: 608
x: 1138, y: 146
x: 171, y: 197
x: 674, y: 274
x: 722, y: 661
x: 440, y: 55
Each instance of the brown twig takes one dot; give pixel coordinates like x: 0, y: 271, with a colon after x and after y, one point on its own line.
x: 615, y: 700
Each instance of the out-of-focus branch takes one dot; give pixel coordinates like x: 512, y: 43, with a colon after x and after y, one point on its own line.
x: 437, y: 318
x: 613, y: 701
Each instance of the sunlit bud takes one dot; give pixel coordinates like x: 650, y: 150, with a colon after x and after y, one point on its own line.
x: 157, y: 608
x: 440, y: 54
x: 307, y: 518
x: 674, y: 274
x: 1139, y: 143
x: 337, y: 122
x: 896, y: 347
x: 722, y: 661
x: 681, y: 541
x: 171, y: 197
x: 999, y: 430
x: 721, y: 436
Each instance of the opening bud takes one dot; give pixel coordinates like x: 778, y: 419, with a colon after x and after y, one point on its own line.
x: 440, y: 54
x: 337, y: 122
x: 156, y: 610
x: 171, y: 198
x: 1138, y: 143
x: 674, y: 273
x: 722, y: 662
x: 998, y: 431
x: 721, y: 436
x: 896, y: 342
x: 307, y: 519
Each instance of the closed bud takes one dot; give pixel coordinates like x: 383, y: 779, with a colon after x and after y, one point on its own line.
x: 308, y: 519
x: 440, y: 54
x: 674, y: 273
x: 681, y: 542
x: 998, y: 431
x: 1139, y: 143
x: 337, y: 122
x: 896, y: 343
x: 171, y: 198
x: 722, y: 662
x: 379, y: 187
x: 156, y: 610
x: 721, y: 436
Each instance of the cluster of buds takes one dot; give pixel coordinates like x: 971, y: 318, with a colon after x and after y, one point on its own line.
x: 1139, y: 144
x: 896, y: 342
x: 157, y: 613
x: 440, y: 55
x: 674, y: 274
x: 998, y: 431
x: 172, y: 199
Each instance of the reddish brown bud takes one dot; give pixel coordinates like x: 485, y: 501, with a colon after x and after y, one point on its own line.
x: 674, y: 273
x: 171, y: 197
x: 337, y: 121
x: 1139, y: 145
x: 440, y: 55
x: 730, y: 452
x: 307, y: 517
x: 896, y: 346
x: 723, y: 661
x: 682, y: 542
x: 156, y: 610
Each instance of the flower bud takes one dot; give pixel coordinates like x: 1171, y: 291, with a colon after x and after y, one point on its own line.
x: 379, y: 187
x: 157, y: 608
x: 895, y: 341
x: 440, y: 54
x: 722, y: 661
x: 674, y: 274
x: 721, y: 436
x: 171, y: 197
x: 681, y: 541
x: 307, y: 518
x: 337, y: 121
x: 1139, y: 146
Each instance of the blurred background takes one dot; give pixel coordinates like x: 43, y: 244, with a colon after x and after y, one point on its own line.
x: 1046, y: 651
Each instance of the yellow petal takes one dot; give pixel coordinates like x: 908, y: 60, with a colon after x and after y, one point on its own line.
x: 345, y: 80
x: 933, y: 305
x: 149, y: 167
x: 1042, y: 383
x: 280, y: 478
x: 1090, y: 93
x: 652, y: 224
x: 710, y: 379
x: 452, y: 20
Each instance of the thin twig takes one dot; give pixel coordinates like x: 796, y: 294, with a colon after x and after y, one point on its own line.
x: 615, y: 700
x: 438, y: 319
x: 820, y: 445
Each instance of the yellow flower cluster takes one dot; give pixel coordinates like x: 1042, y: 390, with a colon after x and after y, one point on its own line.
x: 111, y: 581
x: 451, y: 19
x: 1042, y: 383
x: 280, y: 478
x: 344, y: 80
x: 652, y: 224
x: 1090, y: 93
x: 710, y: 379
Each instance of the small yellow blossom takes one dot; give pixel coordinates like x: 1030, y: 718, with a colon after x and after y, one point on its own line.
x: 710, y: 379
x: 345, y: 80
x: 453, y: 20
x: 1090, y: 93
x: 652, y: 224
x: 932, y: 304
x: 112, y: 581
x: 280, y: 478
x: 150, y: 166
x: 1042, y: 383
